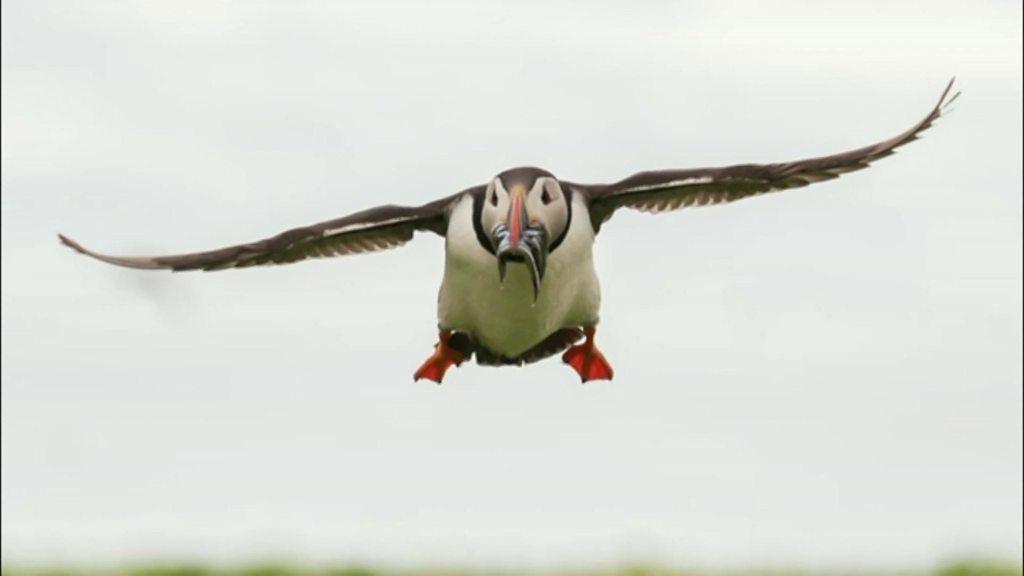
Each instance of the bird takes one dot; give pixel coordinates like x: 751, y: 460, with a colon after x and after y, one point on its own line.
x: 519, y: 283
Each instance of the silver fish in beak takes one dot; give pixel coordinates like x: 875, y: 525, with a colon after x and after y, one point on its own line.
x: 519, y: 240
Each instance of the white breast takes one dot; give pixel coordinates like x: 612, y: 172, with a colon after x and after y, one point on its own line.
x: 503, y: 316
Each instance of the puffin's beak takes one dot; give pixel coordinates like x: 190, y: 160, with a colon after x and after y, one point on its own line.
x: 519, y: 240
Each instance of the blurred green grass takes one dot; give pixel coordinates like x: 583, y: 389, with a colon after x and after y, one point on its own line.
x: 957, y: 568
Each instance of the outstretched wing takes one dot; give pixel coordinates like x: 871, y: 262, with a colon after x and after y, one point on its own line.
x: 664, y: 190
x: 375, y: 229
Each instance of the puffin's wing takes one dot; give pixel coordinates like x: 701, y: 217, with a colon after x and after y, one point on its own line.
x: 666, y: 190
x: 367, y: 231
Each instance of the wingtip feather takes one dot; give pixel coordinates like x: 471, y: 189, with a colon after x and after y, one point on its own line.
x: 142, y: 263
x: 945, y: 100
x: 71, y: 244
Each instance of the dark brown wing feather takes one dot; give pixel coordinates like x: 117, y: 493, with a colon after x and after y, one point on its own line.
x: 665, y: 190
x: 367, y: 231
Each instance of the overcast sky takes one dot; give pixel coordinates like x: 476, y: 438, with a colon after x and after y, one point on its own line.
x: 827, y: 376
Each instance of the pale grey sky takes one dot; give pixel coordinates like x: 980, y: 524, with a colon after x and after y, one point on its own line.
x: 828, y: 376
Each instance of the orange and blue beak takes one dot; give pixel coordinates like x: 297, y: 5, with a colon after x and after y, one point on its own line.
x: 518, y: 239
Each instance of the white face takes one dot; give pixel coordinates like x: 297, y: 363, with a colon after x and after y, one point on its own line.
x: 545, y: 204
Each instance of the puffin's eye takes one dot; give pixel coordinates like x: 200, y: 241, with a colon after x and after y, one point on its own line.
x: 494, y: 198
x: 545, y: 197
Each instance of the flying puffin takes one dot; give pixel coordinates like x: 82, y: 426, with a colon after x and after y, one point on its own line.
x: 519, y: 282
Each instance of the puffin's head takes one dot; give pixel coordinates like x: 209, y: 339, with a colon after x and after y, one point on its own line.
x: 523, y: 210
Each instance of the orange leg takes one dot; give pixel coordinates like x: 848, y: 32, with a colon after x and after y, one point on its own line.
x: 441, y: 360
x: 587, y: 360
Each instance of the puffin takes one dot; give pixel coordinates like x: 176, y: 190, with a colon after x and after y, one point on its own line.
x: 519, y: 282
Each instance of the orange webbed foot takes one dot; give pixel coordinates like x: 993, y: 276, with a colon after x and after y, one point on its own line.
x: 443, y: 358
x: 587, y: 360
